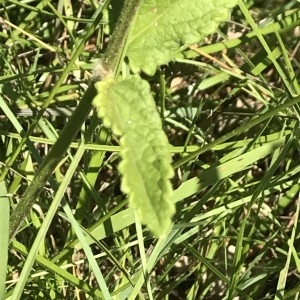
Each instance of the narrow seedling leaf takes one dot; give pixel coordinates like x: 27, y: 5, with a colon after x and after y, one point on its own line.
x: 163, y: 27
x: 128, y: 107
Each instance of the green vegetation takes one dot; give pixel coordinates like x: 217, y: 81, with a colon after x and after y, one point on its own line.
x: 226, y: 89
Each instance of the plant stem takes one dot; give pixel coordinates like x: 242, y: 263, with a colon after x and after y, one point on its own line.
x: 112, y: 58
x: 51, y: 160
x: 118, y: 43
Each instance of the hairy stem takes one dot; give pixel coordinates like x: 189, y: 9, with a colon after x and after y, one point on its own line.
x: 112, y: 58
x: 51, y: 160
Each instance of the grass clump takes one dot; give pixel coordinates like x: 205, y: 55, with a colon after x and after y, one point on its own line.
x: 230, y: 108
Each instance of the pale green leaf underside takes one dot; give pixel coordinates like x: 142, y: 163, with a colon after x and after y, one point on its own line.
x: 128, y: 107
x: 163, y: 26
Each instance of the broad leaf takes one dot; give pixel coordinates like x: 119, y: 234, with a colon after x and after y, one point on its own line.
x: 163, y: 26
x: 128, y: 107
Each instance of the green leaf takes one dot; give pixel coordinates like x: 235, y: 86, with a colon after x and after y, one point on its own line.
x: 162, y: 27
x: 128, y: 107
